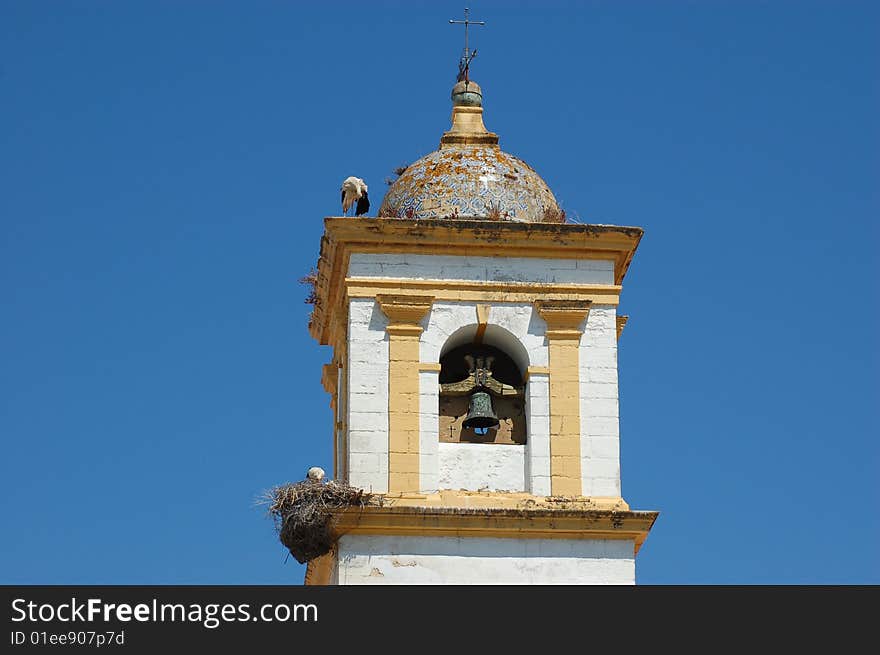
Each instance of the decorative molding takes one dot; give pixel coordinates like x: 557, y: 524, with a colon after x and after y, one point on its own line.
x: 404, y: 329
x: 504, y: 500
x: 404, y: 310
x: 537, y: 370
x: 329, y: 378
x: 494, y: 522
x: 621, y: 323
x: 482, y: 321
x: 483, y: 292
x: 565, y: 318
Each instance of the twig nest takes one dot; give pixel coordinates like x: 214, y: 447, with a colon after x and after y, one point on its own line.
x: 303, y: 513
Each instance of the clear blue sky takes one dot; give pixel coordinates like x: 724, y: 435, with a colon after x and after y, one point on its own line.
x: 166, y: 167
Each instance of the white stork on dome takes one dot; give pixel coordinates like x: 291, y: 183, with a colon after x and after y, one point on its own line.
x: 354, y: 190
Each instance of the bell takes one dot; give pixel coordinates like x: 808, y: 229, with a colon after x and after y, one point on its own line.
x: 480, y: 413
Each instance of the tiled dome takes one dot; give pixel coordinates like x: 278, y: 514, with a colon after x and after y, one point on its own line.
x: 470, y: 176
x: 470, y: 180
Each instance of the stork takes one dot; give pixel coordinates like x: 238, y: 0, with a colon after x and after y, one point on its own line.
x: 315, y: 474
x: 355, y: 189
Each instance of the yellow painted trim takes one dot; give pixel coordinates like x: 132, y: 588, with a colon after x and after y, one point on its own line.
x: 503, y: 523
x: 329, y: 381
x: 471, y: 291
x: 536, y: 370
x: 340, y: 434
x: 468, y: 500
x: 400, y: 329
x: 319, y: 571
x: 563, y: 315
x: 328, y: 378
x: 404, y: 312
x: 481, y: 237
x: 565, y: 323
x: 429, y: 366
x: 574, y: 335
x: 482, y: 321
x: 565, y: 429
x: 620, y: 323
x: 406, y: 309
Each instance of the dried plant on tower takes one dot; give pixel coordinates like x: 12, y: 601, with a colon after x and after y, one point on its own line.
x: 554, y: 215
x: 311, y: 280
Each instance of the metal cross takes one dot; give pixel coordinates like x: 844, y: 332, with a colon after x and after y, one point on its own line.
x: 467, y: 56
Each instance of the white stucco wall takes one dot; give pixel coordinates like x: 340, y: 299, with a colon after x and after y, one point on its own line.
x: 476, y: 466
x: 429, y: 430
x: 600, y: 437
x: 476, y: 560
x: 368, y: 396
x: 537, y: 455
x: 454, y: 267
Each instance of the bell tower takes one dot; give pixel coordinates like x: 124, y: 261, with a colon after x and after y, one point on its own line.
x: 474, y: 377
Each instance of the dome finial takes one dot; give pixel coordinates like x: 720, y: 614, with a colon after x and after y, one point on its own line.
x: 467, y: 99
x: 467, y: 56
x: 467, y: 117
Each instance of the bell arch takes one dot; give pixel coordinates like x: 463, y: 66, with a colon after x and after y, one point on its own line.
x: 482, y: 422
x: 520, y: 460
x: 495, y: 336
x: 482, y: 388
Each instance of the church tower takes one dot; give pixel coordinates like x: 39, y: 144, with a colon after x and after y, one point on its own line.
x: 474, y: 378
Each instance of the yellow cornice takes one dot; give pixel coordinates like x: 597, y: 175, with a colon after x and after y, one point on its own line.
x: 496, y: 522
x: 342, y: 236
x: 484, y: 237
x: 518, y: 500
x: 464, y: 290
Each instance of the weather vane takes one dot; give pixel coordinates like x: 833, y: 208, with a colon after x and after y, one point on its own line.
x: 467, y: 56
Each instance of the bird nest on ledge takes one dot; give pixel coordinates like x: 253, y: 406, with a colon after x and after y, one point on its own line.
x: 303, y: 514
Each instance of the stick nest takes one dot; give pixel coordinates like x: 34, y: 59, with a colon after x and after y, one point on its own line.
x: 303, y: 513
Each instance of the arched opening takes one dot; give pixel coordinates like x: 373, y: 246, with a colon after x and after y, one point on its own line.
x: 494, y: 335
x: 482, y: 388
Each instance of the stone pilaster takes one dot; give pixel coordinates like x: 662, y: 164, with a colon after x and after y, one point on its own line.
x: 565, y: 324
x: 404, y: 314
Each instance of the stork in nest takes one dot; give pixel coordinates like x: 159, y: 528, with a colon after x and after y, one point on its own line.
x: 354, y: 190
